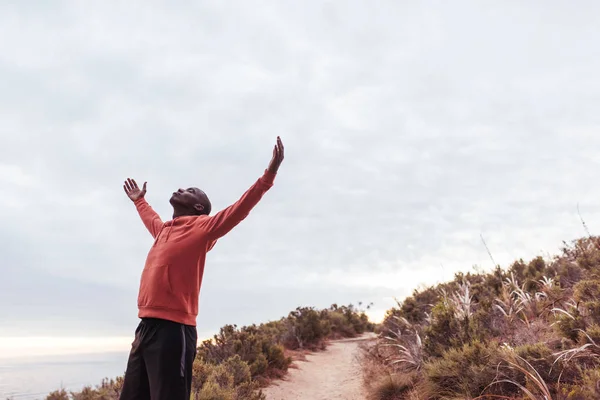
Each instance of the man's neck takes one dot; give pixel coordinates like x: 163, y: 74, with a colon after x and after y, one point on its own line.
x: 181, y: 213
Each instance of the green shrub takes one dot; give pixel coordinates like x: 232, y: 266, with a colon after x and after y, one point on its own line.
x: 276, y: 358
x: 587, y: 389
x: 307, y: 328
x: 587, y: 253
x: 535, y: 269
x: 340, y: 326
x: 257, y: 346
x: 58, y: 395
x: 518, y: 270
x: 410, y: 309
x: 466, y: 372
x: 230, y: 379
x: 88, y: 393
x: 570, y: 325
x: 212, y: 390
x: 540, y: 357
x: 592, y: 333
x: 444, y: 331
x: 587, y: 293
x: 567, y: 272
x: 356, y: 319
x: 200, y: 373
x: 413, y: 308
x: 494, y: 281
x: 239, y: 370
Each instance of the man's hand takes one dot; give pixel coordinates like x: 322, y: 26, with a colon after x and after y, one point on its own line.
x: 133, y: 191
x: 277, y: 157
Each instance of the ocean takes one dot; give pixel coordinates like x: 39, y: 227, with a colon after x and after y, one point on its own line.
x: 34, y: 377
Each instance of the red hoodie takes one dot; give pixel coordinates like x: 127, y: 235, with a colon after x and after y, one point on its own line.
x: 172, y: 276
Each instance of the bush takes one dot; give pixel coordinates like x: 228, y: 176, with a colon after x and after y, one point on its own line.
x: 463, y: 372
x: 540, y: 357
x: 587, y: 292
x: 414, y: 308
x: 88, y: 393
x: 569, y: 325
x: 549, y: 310
x: 257, y: 346
x: 592, y: 333
x: 340, y: 327
x: 58, y: 395
x: 306, y: 328
x: 445, y: 331
x: 586, y: 253
x: 212, y: 390
x: 231, y: 379
x: 587, y: 389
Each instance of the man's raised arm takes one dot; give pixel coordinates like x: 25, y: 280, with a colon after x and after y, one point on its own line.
x: 224, y: 221
x: 149, y: 217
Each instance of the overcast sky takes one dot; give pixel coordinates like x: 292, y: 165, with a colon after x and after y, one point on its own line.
x: 410, y: 129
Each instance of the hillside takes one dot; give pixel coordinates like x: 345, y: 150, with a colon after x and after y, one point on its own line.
x: 237, y: 363
x: 529, y: 331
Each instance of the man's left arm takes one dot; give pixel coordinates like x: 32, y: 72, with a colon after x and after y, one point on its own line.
x: 225, y: 220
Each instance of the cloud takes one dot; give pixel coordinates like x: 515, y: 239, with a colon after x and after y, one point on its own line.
x: 409, y: 129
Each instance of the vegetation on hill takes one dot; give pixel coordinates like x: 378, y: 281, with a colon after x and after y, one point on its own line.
x: 531, y: 331
x: 237, y: 362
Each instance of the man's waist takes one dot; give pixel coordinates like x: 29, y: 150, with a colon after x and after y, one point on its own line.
x: 156, y: 315
x: 153, y: 321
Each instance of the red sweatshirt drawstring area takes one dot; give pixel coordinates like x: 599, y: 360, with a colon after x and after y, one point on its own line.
x: 172, y: 277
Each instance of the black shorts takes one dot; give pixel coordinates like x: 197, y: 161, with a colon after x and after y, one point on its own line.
x: 160, y: 361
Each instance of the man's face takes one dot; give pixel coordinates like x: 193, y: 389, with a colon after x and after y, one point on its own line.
x: 187, y: 198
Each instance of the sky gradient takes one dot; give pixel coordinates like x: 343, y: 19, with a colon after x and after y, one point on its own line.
x: 410, y: 130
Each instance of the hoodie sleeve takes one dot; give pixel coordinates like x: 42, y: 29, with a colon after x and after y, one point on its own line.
x: 224, y: 221
x: 149, y: 217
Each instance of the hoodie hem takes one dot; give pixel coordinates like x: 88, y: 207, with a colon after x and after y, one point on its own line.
x: 167, y: 314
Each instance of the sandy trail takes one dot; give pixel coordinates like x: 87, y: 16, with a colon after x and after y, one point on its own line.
x: 328, y: 375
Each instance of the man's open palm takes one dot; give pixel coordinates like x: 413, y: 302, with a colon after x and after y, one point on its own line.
x: 133, y: 191
x: 277, y: 156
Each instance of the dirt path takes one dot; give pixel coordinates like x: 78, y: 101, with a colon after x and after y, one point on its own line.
x: 334, y: 374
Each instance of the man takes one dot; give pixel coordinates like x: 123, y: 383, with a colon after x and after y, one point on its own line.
x: 164, y: 348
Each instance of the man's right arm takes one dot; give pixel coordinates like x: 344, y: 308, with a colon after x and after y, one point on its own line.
x: 149, y: 217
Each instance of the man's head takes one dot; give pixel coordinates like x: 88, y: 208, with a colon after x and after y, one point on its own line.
x: 191, y: 201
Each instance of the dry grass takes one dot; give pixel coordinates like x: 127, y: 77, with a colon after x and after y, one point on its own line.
x: 545, y: 313
x: 379, y: 381
x: 537, y: 388
x: 400, y: 346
